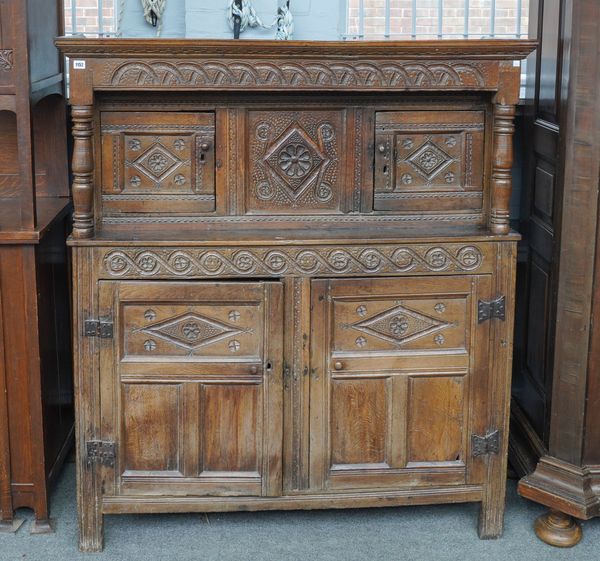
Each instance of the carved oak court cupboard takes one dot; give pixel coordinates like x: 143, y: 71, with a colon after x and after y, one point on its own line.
x: 293, y: 274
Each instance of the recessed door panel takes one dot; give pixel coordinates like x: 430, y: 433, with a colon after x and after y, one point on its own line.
x: 151, y: 442
x: 360, y: 409
x: 436, y: 419
x: 229, y: 435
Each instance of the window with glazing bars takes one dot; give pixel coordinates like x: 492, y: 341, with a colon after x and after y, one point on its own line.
x: 436, y: 19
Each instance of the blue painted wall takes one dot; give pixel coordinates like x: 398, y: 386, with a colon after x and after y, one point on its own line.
x: 313, y: 19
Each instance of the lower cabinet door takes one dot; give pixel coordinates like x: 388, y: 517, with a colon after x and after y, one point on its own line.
x: 399, y: 382
x: 191, y: 388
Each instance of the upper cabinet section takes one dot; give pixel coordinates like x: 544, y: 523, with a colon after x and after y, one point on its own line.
x: 284, y: 134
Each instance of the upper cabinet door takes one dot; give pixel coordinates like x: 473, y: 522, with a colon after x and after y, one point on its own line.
x: 296, y: 162
x: 192, y: 388
x: 158, y: 162
x: 399, y: 382
x: 431, y: 161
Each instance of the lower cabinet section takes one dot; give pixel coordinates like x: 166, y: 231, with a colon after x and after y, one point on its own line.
x: 291, y: 392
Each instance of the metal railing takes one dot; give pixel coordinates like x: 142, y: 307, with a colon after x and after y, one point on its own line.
x: 99, y: 18
x: 412, y: 19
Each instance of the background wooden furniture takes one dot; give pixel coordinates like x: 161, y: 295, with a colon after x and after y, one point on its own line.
x: 36, y: 413
x: 293, y: 274
x: 557, y: 387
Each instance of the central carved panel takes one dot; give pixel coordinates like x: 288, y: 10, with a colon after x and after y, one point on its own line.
x: 295, y: 161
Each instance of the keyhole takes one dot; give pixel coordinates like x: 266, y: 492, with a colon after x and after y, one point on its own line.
x: 269, y: 365
x: 385, y: 170
x: 202, y: 158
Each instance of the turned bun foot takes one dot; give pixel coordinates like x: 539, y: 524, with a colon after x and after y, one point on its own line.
x: 558, y: 529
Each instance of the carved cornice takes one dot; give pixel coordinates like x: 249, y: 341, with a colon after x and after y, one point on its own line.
x: 495, y: 49
x: 291, y: 261
x: 306, y: 74
x: 6, y: 59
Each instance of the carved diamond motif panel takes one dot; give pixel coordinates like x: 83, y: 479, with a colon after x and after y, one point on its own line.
x: 157, y: 162
x: 429, y: 160
x: 295, y: 159
x: 400, y: 325
x: 191, y: 330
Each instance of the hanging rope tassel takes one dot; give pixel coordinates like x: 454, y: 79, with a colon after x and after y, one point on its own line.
x: 241, y: 15
x: 285, y: 22
x: 153, y: 12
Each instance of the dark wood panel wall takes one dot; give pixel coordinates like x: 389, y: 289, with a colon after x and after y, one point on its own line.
x: 539, y: 223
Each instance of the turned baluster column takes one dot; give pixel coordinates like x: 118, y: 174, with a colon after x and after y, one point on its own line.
x: 83, y: 171
x: 504, y: 127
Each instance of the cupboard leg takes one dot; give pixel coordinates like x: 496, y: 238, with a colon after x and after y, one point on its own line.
x: 558, y: 529
x: 91, y: 519
x: 91, y: 530
x: 491, y: 519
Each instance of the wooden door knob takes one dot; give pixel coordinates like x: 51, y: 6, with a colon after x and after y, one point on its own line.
x: 338, y: 365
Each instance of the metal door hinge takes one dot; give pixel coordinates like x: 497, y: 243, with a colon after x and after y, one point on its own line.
x: 102, y: 328
x: 483, y: 445
x: 491, y: 309
x: 100, y: 452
